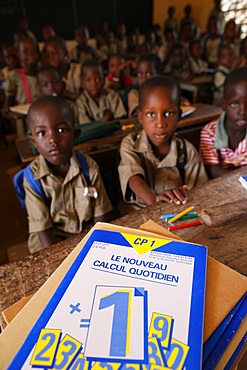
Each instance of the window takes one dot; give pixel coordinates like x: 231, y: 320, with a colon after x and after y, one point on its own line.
x: 236, y: 9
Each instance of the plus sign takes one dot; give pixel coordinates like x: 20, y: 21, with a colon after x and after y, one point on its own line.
x: 75, y: 308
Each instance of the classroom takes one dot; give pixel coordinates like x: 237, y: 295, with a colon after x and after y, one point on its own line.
x: 99, y: 68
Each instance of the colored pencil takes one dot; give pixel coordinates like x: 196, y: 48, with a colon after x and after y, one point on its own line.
x: 185, y: 217
x: 182, y: 226
x: 175, y: 218
x: 170, y: 215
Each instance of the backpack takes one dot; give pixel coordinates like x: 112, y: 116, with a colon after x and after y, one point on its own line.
x: 27, y: 173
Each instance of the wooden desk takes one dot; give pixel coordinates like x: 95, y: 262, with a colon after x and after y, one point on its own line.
x: 189, y: 125
x: 226, y: 244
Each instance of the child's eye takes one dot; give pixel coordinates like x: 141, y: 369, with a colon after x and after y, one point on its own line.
x: 41, y: 133
x: 150, y: 114
x: 169, y: 114
x: 234, y: 104
x: 61, y: 129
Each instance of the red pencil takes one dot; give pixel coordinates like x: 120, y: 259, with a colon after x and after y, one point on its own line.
x: 181, y: 226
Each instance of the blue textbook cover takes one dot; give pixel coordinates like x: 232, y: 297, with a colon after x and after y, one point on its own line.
x: 127, y: 302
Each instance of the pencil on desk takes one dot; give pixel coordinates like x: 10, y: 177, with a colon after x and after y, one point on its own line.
x: 179, y: 215
x: 170, y: 215
x: 185, y: 217
x: 182, y: 226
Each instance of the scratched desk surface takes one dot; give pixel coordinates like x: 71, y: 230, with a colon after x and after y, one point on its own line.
x: 227, y: 244
x: 203, y: 114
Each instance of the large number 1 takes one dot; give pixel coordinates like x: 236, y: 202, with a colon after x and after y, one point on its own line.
x: 122, y: 301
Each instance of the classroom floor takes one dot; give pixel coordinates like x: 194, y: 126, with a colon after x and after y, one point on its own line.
x: 13, y: 223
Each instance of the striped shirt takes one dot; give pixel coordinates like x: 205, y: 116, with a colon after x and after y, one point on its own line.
x: 214, y: 148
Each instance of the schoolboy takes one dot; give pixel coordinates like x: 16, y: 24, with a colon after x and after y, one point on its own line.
x: 55, y: 53
x: 21, y: 85
x: 148, y: 168
x: 148, y: 65
x: 96, y: 103
x: 226, y: 60
x: 51, y: 84
x: 82, y: 51
x: 223, y: 142
x: 71, y: 210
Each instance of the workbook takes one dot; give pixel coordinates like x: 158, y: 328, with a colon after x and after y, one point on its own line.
x: 128, y: 301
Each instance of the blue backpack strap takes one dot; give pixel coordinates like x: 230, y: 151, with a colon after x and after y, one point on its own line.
x: 84, y: 166
x: 35, y: 184
x: 19, y: 188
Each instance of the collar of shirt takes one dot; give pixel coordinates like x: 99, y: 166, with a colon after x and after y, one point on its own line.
x: 221, y: 137
x: 142, y: 145
x: 42, y: 169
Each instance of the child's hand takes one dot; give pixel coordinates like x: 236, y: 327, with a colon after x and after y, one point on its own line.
x: 176, y: 195
x: 107, y: 115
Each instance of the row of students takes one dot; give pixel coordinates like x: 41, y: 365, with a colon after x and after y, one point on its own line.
x: 148, y: 169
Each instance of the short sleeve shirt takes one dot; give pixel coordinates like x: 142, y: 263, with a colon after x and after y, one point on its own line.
x: 89, y: 111
x: 214, y: 146
x: 137, y: 158
x: 14, y: 87
x: 73, y: 79
x: 69, y: 208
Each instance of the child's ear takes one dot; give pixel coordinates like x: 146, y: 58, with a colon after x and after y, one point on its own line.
x: 223, y: 104
x: 139, y: 112
x: 31, y: 139
x: 180, y: 113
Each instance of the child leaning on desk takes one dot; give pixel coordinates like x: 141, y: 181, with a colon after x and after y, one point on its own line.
x: 148, y: 169
x: 223, y: 142
x: 75, y: 198
x: 97, y: 103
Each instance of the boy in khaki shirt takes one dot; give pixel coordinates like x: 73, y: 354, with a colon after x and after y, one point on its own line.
x: 73, y: 204
x: 148, y: 168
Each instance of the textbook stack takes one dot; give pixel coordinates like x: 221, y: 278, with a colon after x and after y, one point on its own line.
x: 138, y: 274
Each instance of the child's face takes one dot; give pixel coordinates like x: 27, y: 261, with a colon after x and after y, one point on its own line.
x: 177, y: 58
x: 196, y: 50
x: 226, y: 57
x: 145, y: 70
x: 159, y: 114
x: 235, y: 105
x: 114, y: 63
x: 28, y: 53
x: 48, y: 32
x: 81, y: 35
x: 52, y: 133
x: 92, y: 81
x: 53, y: 55
x: 50, y: 83
x: 11, y: 57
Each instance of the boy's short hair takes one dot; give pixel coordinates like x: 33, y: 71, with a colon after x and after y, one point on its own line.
x: 56, y: 101
x: 153, y: 59
x: 58, y: 41
x: 91, y: 63
x: 238, y: 75
x: 48, y: 68
x: 161, y: 81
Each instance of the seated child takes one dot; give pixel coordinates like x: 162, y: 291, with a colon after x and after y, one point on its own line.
x: 96, y: 103
x: 55, y: 53
x: 121, y: 38
x: 211, y: 42
x: 21, y: 85
x: 178, y: 66
x: 51, y: 84
x: 82, y: 51
x: 11, y: 58
x: 223, y: 142
x: 148, y: 169
x: 225, y: 58
x: 197, y: 64
x: 117, y: 79
x: 73, y: 204
x: 147, y: 65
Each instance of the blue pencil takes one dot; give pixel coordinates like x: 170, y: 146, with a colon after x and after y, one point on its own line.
x: 169, y: 215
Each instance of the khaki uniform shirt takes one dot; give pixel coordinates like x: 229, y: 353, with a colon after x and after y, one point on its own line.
x: 137, y: 158
x: 73, y: 79
x: 14, y: 87
x: 89, y: 111
x: 133, y: 101
x: 69, y: 208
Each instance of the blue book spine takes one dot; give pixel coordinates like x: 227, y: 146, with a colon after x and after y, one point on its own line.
x: 227, y: 336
